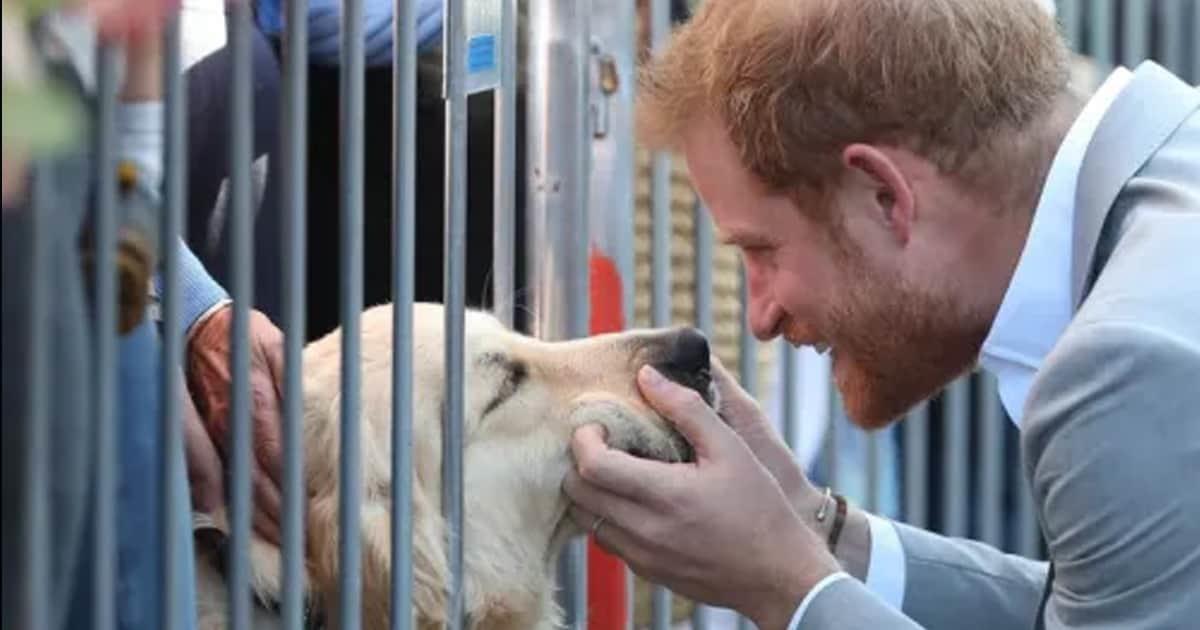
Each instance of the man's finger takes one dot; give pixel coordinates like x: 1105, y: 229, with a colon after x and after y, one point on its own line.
x: 597, y: 500
x: 267, y: 529
x: 268, y: 505
x: 272, y: 346
x: 268, y: 421
x: 616, y: 471
x: 609, y: 534
x: 205, y: 470
x: 684, y: 408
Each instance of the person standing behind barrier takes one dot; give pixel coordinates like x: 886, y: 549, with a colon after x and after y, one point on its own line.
x: 66, y: 44
x: 207, y: 66
x: 139, y: 146
x: 913, y: 183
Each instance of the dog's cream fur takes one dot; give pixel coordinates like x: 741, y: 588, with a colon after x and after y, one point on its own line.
x: 515, y: 458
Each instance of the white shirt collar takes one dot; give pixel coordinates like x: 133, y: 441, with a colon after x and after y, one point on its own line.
x: 1036, y: 308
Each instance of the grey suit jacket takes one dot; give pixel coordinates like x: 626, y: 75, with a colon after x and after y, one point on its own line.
x: 1111, y: 434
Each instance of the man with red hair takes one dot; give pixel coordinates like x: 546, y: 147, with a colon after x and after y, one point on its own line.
x: 917, y: 188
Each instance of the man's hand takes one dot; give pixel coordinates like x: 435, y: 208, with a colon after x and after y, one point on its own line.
x: 720, y: 530
x: 746, y: 418
x: 206, y: 474
x: 210, y: 381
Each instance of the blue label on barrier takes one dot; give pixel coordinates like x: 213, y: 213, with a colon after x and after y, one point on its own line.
x: 484, y: 43
x: 481, y: 53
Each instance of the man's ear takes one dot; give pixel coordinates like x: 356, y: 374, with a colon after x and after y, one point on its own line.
x: 893, y: 195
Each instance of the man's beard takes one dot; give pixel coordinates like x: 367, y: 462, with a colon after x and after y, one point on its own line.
x: 896, y: 345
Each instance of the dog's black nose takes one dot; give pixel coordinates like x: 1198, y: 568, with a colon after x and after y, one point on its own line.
x: 688, y: 351
x: 684, y: 358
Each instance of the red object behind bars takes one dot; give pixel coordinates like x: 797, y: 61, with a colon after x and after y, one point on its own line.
x: 608, y: 602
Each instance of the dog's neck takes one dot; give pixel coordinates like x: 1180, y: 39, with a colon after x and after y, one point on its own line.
x: 512, y: 549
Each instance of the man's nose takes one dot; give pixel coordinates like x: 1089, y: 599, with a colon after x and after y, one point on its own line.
x: 762, y: 313
x: 763, y: 316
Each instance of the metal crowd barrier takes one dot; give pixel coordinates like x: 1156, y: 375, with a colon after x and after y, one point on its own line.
x: 984, y: 498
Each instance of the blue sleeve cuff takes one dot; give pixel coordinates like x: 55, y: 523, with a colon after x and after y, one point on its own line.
x: 200, y: 293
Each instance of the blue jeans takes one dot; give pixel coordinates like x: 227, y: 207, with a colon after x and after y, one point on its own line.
x: 139, y: 587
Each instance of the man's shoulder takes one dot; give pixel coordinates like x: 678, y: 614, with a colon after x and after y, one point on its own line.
x: 1137, y: 334
x: 1109, y: 438
x: 1151, y: 279
x: 1127, y: 364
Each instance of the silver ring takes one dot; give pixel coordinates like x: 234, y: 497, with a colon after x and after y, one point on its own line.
x: 596, y: 525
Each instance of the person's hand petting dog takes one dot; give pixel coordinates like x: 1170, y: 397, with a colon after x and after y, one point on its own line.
x: 209, y: 381
x: 206, y: 473
x: 720, y: 530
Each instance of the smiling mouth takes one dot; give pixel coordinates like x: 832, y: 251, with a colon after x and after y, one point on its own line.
x: 820, y: 347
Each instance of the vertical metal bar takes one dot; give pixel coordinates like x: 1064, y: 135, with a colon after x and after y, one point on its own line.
x: 873, y: 469
x: 559, y: 141
x: 295, y: 227
x: 1068, y: 16
x: 175, y: 196
x: 404, y: 96
x: 916, y: 466
x: 404, y: 93
x: 660, y: 191
x: 611, y: 198
x: 454, y: 88
x: 991, y: 462
x: 105, y: 334
x: 613, y: 177
x: 747, y: 365
x: 787, y: 377
x: 660, y: 608
x: 1174, y: 30
x: 660, y: 255
x: 241, y: 263
x: 703, y: 302
x: 35, y: 513
x: 747, y: 344
x: 836, y: 411
x: 1100, y: 31
x: 352, y: 85
x: 1135, y: 32
x: 703, y: 235
x: 956, y: 407
x: 505, y: 170
x: 1195, y: 46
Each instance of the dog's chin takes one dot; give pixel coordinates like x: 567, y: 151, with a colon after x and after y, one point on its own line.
x: 637, y: 432
x: 663, y: 445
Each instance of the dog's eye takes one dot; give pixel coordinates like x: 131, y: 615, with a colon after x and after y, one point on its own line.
x: 515, y: 373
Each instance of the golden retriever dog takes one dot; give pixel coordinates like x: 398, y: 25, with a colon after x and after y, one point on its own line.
x: 523, y: 399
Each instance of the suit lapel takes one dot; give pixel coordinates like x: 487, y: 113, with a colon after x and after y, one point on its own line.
x: 1142, y: 117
